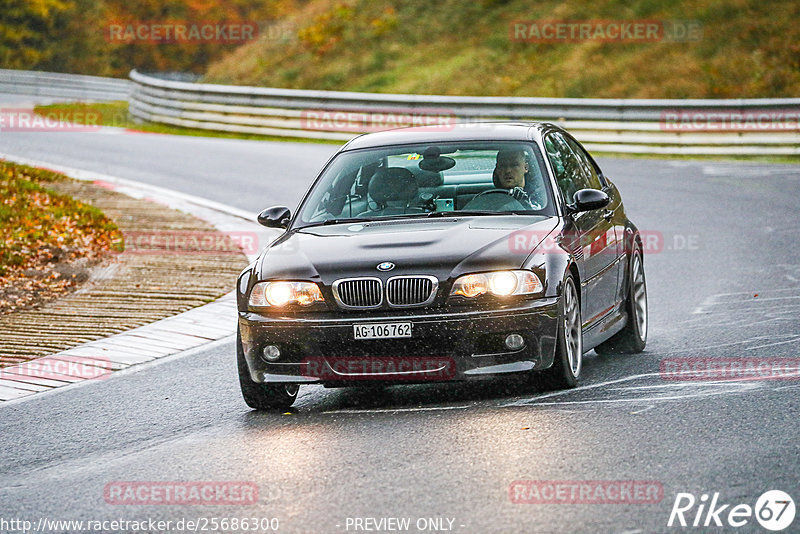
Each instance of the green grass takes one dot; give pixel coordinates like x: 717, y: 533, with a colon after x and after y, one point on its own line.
x: 116, y: 114
x: 748, y: 48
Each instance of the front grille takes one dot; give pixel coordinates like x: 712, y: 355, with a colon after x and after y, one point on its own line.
x: 358, y: 292
x: 411, y: 290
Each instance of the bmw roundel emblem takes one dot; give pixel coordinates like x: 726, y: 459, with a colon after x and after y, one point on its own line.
x: 386, y: 266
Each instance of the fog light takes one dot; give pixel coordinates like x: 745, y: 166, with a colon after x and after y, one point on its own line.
x: 271, y: 353
x: 515, y: 341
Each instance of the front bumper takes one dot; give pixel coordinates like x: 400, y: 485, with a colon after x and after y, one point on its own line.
x: 444, y: 346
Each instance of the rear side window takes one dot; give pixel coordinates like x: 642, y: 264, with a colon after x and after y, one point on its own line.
x: 588, y: 167
x: 570, y: 175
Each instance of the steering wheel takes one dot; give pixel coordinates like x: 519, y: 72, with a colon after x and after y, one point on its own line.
x: 497, y: 191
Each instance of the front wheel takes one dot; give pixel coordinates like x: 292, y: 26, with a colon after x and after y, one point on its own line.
x: 566, y: 366
x: 262, y: 396
x: 633, y: 337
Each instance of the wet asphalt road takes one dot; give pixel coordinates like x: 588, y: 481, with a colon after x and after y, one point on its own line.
x: 445, y: 451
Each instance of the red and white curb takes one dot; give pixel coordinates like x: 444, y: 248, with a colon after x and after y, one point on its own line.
x: 171, y: 336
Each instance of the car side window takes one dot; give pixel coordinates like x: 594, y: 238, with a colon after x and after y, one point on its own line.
x: 570, y: 175
x: 586, y: 163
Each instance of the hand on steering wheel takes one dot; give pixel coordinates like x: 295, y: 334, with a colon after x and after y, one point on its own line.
x: 517, y: 193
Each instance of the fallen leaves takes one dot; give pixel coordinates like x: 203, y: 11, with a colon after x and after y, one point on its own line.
x: 41, y: 232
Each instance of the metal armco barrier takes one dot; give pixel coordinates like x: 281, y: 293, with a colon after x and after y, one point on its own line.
x: 63, y: 86
x: 766, y: 126
x: 746, y: 127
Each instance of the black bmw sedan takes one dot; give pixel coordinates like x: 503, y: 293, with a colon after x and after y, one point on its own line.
x: 424, y: 254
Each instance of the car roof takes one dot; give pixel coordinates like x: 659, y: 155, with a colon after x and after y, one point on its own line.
x: 479, y: 131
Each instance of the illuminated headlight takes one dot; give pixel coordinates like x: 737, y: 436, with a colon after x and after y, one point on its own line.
x: 282, y: 293
x: 498, y: 283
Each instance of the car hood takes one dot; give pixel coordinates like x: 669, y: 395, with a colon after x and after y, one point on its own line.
x: 444, y: 247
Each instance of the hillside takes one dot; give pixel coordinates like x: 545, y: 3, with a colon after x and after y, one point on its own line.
x: 110, y: 37
x: 747, y: 49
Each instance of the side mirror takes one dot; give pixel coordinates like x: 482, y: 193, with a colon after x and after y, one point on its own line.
x: 589, y: 199
x: 275, y: 217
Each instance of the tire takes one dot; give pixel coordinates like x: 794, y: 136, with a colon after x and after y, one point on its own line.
x: 568, y: 359
x: 633, y: 337
x: 262, y: 396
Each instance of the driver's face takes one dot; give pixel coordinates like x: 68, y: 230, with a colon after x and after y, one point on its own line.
x: 510, y: 170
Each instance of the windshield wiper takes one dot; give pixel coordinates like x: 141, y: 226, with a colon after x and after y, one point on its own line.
x: 433, y: 214
x: 326, y: 222
x: 462, y: 213
x: 347, y: 220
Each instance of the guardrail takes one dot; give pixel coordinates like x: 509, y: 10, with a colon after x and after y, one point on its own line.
x: 65, y: 86
x: 603, y: 125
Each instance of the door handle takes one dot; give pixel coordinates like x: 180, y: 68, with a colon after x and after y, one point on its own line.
x: 607, y: 214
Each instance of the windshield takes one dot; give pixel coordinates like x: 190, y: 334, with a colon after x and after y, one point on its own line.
x: 478, y: 178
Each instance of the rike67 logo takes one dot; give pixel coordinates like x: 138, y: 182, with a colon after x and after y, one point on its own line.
x: 774, y: 510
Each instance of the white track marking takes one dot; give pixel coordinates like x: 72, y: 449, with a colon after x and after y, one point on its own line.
x: 163, y: 344
x: 124, y: 372
x: 744, y: 387
x: 793, y: 337
x: 392, y: 410
x: 526, y: 402
x: 742, y: 297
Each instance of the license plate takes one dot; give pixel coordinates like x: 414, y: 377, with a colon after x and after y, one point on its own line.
x: 382, y: 330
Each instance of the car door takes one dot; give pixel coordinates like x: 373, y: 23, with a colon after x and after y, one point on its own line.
x: 595, y: 229
x: 614, y: 211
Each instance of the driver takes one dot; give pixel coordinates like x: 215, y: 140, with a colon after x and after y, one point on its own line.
x: 510, y: 171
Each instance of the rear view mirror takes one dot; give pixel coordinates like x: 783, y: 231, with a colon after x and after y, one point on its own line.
x: 433, y: 161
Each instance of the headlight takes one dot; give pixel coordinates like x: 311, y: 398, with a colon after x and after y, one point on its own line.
x: 498, y: 283
x: 283, y: 293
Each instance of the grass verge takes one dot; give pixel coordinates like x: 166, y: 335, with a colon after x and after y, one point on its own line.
x: 734, y: 49
x: 116, y: 114
x: 47, y: 239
